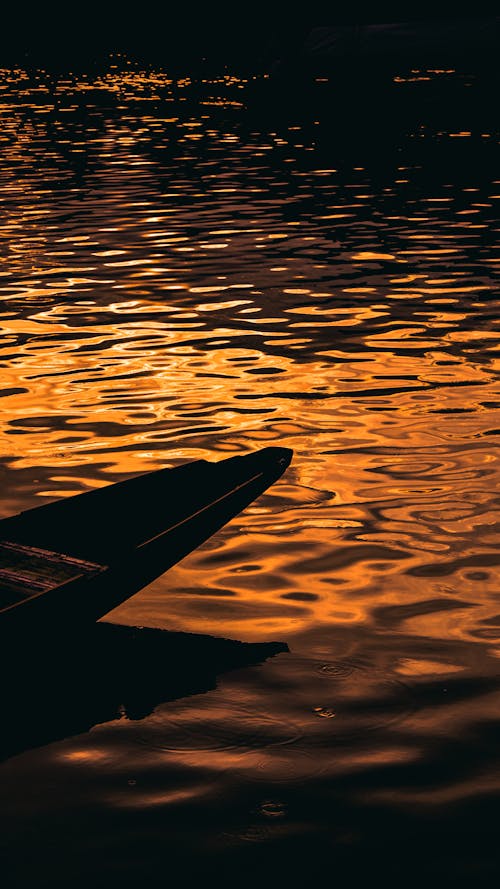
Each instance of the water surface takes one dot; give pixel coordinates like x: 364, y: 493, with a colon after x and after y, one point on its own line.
x: 198, y: 270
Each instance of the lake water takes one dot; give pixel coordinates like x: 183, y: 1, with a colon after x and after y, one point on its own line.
x: 197, y: 270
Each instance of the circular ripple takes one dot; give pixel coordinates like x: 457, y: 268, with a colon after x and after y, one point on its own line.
x: 214, y: 728
x: 337, y: 670
x: 283, y: 765
x: 360, y: 699
x: 272, y: 809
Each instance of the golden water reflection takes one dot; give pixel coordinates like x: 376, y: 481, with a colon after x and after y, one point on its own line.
x: 186, y: 273
x: 177, y: 282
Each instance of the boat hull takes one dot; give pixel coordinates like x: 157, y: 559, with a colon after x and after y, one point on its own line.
x: 120, y: 538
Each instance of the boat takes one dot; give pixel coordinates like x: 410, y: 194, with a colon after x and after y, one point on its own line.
x: 75, y: 559
x: 424, y: 41
x: 368, y: 58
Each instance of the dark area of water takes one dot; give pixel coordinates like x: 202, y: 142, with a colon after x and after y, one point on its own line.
x: 199, y: 268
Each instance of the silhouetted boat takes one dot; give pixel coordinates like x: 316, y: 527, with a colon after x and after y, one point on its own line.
x: 80, y: 557
x: 367, y: 55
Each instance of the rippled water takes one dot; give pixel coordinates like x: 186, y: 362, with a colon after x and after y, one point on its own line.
x: 193, y: 271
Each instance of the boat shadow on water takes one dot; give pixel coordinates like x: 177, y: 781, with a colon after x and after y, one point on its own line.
x: 61, y: 688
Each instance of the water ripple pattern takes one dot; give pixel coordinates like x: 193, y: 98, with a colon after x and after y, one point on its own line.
x: 185, y: 275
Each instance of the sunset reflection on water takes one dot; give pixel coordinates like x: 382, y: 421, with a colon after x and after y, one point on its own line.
x: 180, y: 278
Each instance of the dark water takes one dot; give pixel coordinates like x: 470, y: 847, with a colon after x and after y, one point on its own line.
x: 199, y: 270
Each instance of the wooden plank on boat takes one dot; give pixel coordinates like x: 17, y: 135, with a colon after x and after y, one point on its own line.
x: 28, y: 570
